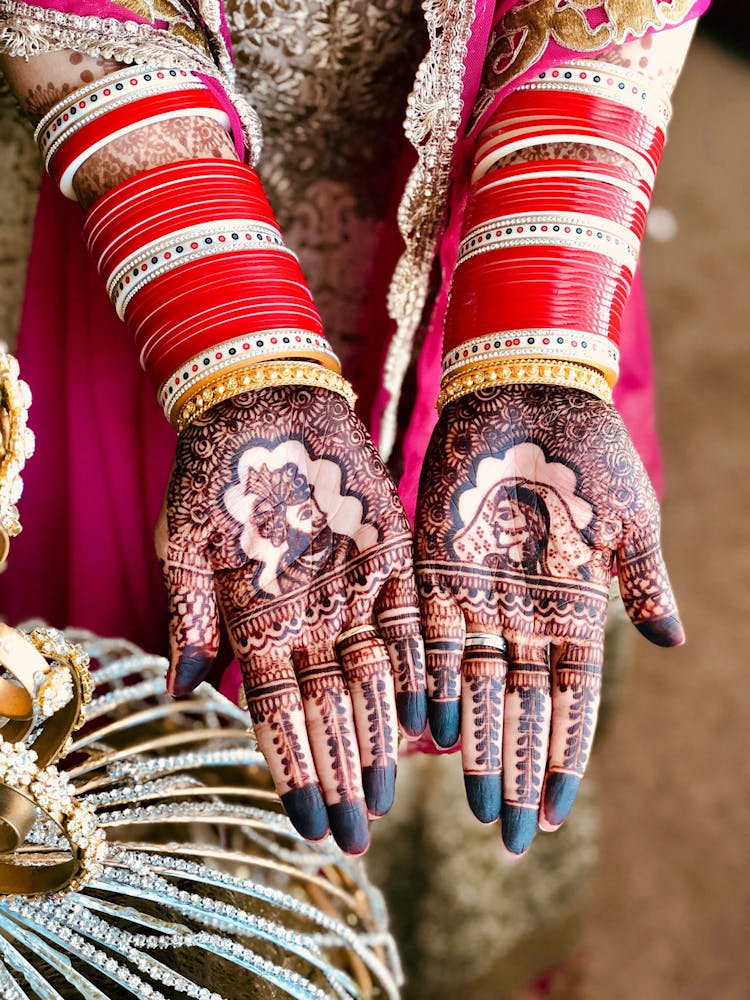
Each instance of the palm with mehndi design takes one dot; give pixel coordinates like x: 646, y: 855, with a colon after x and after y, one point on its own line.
x: 527, y: 495
x: 281, y: 513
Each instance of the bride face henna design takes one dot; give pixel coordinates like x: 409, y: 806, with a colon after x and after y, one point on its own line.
x: 527, y: 494
x: 281, y: 514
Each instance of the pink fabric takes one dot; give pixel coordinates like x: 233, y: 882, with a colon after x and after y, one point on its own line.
x: 93, y: 490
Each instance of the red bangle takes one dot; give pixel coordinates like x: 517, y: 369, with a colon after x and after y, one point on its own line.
x: 540, y: 290
x: 562, y: 110
x: 584, y: 196
x: 153, y: 311
x: 167, y: 360
x: 510, y: 172
x: 209, y: 174
x: 647, y: 145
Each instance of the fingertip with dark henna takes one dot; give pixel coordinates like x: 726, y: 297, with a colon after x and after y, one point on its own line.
x: 484, y: 793
x: 518, y: 827
x: 379, y: 784
x: 411, y: 707
x: 445, y: 722
x: 663, y: 631
x: 192, y: 668
x: 560, y: 792
x: 349, y: 826
x: 306, y: 811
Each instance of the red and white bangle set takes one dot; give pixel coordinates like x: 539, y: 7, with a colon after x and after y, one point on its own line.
x: 90, y: 118
x: 190, y: 252
x: 549, y: 247
x: 194, y: 262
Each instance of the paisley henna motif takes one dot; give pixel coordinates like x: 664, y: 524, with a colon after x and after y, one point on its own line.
x: 281, y: 514
x: 527, y: 494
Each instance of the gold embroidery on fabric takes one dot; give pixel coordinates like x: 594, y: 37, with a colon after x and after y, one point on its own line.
x: 329, y: 79
x: 175, y: 17
x: 523, y: 34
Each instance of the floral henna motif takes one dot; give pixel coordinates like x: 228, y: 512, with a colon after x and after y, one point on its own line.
x: 280, y: 507
x: 484, y: 674
x: 528, y: 494
x: 367, y: 667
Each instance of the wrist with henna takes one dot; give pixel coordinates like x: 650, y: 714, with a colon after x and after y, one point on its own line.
x: 527, y: 497
x: 281, y: 512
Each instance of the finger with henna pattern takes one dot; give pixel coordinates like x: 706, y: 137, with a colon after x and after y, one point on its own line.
x: 193, y: 618
x: 525, y: 740
x: 482, y: 689
x: 443, y: 629
x: 397, y: 615
x: 275, y: 704
x: 576, y: 689
x: 644, y: 584
x: 333, y: 739
x: 367, y: 669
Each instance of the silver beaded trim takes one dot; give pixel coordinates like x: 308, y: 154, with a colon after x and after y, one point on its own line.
x: 185, y: 246
x: 574, y: 231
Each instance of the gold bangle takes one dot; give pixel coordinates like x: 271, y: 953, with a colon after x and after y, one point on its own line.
x: 24, y: 788
x: 53, y: 687
x: 522, y: 371
x: 259, y: 376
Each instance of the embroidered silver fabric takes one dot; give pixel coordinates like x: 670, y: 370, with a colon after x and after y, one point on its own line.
x: 329, y: 81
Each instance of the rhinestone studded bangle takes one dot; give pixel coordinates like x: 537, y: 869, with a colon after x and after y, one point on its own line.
x: 24, y: 784
x: 261, y: 376
x: 487, y: 375
x: 55, y: 677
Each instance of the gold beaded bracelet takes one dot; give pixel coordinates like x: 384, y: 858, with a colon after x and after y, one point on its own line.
x: 259, y: 376
x: 16, y: 446
x: 522, y: 371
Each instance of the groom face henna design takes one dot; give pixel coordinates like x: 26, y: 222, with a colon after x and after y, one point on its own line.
x: 280, y: 505
x: 526, y: 496
x: 294, y: 516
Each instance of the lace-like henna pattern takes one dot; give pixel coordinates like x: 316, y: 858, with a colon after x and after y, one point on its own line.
x: 527, y: 494
x: 143, y: 149
x: 281, y: 512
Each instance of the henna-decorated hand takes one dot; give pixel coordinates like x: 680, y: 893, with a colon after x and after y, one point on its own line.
x: 280, y: 511
x: 527, y: 494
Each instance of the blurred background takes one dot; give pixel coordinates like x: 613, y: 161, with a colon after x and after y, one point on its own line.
x: 665, y: 913
x: 670, y: 905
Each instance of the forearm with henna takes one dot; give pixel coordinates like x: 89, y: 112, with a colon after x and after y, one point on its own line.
x: 280, y: 507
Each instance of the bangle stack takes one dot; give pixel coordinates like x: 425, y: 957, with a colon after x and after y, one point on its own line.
x: 549, y: 247
x: 195, y: 264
